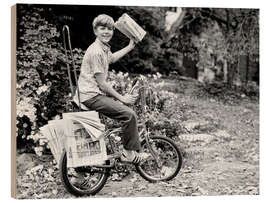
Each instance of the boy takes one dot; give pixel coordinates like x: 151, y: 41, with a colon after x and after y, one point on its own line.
x: 96, y: 94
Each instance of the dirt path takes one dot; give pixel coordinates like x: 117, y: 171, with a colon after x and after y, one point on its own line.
x: 221, y: 162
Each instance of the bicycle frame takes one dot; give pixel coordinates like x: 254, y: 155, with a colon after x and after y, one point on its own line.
x: 144, y: 134
x: 67, y: 45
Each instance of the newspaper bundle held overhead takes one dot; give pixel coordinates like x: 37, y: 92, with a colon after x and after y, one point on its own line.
x: 130, y: 28
x: 80, y: 134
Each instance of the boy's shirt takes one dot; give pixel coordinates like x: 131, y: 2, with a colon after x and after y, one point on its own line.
x: 96, y: 59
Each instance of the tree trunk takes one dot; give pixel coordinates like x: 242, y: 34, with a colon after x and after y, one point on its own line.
x: 176, y: 25
x: 248, y: 69
x: 225, y: 71
x: 237, y: 73
x: 225, y: 65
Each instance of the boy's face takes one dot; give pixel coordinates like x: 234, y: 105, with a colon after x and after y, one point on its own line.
x: 104, y: 33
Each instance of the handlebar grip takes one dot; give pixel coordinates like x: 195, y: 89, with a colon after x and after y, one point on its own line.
x: 134, y: 83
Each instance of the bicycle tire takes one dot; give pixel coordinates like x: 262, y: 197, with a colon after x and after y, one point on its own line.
x: 71, y: 188
x: 142, y: 171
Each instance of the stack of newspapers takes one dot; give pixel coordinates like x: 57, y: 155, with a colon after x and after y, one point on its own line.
x: 55, y: 134
x: 80, y: 135
x: 130, y: 28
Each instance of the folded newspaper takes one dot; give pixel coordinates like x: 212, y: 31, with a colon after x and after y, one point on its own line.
x: 80, y: 134
x: 89, y: 120
x: 130, y: 28
x: 55, y: 133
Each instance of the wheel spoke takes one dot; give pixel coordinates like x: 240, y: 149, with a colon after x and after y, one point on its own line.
x: 82, y: 180
x: 168, y: 163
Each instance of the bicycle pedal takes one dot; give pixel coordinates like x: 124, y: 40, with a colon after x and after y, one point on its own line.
x: 107, y: 162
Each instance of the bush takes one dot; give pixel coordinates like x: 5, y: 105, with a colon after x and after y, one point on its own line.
x: 42, y: 81
x: 155, y: 112
x: 228, y: 94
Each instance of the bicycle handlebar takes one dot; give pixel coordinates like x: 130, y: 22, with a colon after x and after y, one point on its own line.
x: 134, y: 83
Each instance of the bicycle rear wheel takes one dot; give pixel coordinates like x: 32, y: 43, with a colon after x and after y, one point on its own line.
x: 81, y: 181
x: 169, y: 160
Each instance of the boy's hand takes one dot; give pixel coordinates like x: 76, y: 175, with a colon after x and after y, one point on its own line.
x: 129, y: 99
x: 119, y: 54
x: 131, y: 43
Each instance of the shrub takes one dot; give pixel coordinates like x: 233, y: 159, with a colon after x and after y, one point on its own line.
x: 42, y: 81
x: 228, y: 94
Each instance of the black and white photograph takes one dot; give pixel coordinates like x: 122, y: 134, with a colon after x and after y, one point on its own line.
x: 134, y: 101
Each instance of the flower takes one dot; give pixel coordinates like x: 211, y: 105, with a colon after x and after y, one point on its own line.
x: 41, y: 89
x: 38, y: 150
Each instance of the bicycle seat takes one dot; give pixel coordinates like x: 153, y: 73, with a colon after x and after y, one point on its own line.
x: 83, y: 107
x: 76, y: 102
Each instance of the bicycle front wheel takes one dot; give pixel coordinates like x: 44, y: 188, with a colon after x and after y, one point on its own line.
x: 168, y: 160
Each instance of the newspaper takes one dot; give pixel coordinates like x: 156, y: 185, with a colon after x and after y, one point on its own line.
x: 82, y: 149
x: 56, y: 136
x: 52, y: 145
x: 81, y: 135
x: 90, y: 120
x: 130, y: 28
x: 58, y: 130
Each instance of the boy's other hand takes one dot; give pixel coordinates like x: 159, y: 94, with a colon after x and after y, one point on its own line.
x: 129, y: 99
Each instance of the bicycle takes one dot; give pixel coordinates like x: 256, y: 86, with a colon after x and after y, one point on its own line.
x: 163, y: 164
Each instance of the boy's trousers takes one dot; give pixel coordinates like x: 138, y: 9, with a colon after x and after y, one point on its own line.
x: 116, y: 110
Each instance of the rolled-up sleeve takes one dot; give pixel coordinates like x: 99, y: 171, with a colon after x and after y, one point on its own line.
x: 97, y: 62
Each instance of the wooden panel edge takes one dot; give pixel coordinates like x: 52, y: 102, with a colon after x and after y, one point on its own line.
x: 13, y: 99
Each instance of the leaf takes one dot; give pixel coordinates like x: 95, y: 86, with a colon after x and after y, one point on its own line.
x: 116, y: 177
x: 141, y: 187
x: 180, y: 190
x: 202, y: 191
x: 133, y: 179
x: 37, y: 168
x: 166, y: 171
x: 55, y: 192
x: 114, y: 194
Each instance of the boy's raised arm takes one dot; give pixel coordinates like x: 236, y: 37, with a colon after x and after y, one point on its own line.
x: 119, y: 54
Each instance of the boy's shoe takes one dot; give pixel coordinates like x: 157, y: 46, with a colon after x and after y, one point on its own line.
x: 133, y: 156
